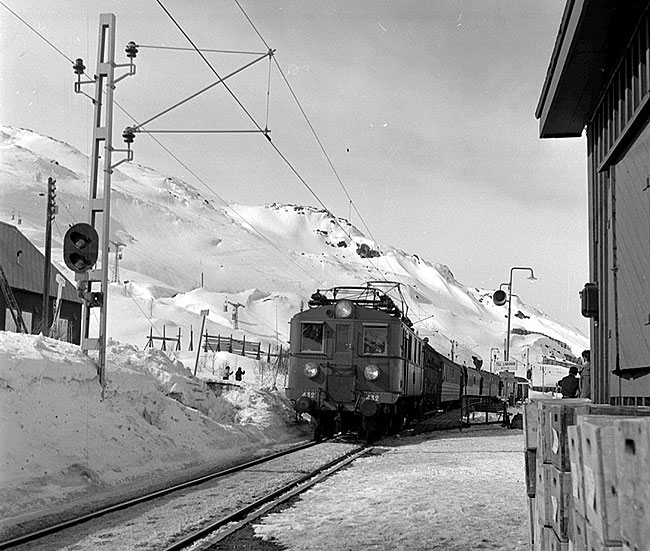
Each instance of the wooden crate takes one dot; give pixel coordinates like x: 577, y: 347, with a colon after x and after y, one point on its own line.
x: 558, y: 501
x: 595, y: 543
x: 633, y: 484
x: 538, y: 525
x: 530, y: 459
x: 579, y: 531
x: 531, y: 422
x: 554, y: 543
x: 532, y: 521
x: 539, y: 520
x: 598, y: 437
x: 554, y: 499
x: 554, y: 419
x: 575, y: 461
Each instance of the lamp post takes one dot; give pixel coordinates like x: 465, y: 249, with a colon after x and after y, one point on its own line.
x: 532, y: 278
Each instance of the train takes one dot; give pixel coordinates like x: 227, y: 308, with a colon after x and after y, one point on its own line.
x: 357, y: 365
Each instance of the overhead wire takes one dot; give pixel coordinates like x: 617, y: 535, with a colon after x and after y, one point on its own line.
x: 319, y: 142
x: 241, y: 105
x: 282, y: 156
x: 168, y: 151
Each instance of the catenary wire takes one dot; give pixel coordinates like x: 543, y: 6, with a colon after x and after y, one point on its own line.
x: 284, y: 158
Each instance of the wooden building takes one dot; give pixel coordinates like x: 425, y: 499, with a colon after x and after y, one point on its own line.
x: 23, y: 266
x: 598, y: 82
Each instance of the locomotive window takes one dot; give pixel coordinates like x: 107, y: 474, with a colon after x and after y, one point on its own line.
x: 375, y: 338
x: 311, y: 337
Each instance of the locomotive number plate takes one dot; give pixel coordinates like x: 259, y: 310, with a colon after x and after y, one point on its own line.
x: 374, y: 397
x: 310, y: 394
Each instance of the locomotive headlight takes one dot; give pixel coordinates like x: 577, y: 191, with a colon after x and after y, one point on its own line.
x: 371, y: 372
x: 343, y: 309
x: 311, y: 370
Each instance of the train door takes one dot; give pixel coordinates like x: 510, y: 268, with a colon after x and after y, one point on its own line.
x: 341, y: 379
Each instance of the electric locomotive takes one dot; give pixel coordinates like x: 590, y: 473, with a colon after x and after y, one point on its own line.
x: 357, y: 364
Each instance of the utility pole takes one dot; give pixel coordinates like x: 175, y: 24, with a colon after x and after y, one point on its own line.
x: 99, y: 198
x: 204, y: 314
x: 235, y: 313
x: 51, y: 212
x: 118, y: 257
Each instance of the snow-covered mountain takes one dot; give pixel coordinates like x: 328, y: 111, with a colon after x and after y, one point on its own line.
x: 185, y: 251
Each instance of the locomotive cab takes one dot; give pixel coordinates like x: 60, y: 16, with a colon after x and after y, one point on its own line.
x: 348, y: 366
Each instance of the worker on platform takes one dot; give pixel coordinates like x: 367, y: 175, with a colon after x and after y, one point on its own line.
x: 569, y: 385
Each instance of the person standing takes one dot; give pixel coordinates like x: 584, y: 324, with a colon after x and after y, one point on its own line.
x: 585, y: 375
x: 569, y: 385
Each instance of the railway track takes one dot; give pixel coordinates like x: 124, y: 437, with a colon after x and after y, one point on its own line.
x: 175, y: 517
x: 228, y: 525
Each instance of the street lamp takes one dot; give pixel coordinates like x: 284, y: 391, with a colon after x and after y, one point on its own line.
x: 532, y: 278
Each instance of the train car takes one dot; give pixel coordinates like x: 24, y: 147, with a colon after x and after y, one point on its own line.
x: 451, y: 381
x: 355, y: 363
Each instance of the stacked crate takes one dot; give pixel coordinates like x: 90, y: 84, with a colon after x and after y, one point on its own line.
x: 587, y: 476
x: 548, y: 470
x: 633, y: 490
x: 609, y: 454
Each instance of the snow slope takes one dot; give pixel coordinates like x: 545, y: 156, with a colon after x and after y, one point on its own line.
x: 185, y: 251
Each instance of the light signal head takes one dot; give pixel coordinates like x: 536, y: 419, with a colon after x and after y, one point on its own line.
x: 80, y: 247
x: 500, y: 297
x: 131, y: 49
x: 79, y: 66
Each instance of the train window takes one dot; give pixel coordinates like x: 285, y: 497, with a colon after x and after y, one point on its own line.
x: 375, y: 338
x: 311, y: 339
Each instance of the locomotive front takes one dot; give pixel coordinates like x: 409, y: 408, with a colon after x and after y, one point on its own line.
x: 345, y: 368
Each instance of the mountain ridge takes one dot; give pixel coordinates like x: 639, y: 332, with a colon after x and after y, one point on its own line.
x: 181, y: 247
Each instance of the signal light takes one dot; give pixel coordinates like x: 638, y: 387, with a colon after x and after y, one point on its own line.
x: 500, y: 297
x: 131, y: 49
x: 80, y: 247
x: 79, y: 66
x: 128, y: 135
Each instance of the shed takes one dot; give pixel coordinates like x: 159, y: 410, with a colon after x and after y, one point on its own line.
x: 23, y: 266
x: 598, y: 81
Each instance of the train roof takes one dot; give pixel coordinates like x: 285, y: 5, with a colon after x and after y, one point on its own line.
x: 374, y: 294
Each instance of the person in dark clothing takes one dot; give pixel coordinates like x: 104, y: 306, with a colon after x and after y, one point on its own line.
x: 570, y: 384
x: 585, y: 375
x: 239, y: 374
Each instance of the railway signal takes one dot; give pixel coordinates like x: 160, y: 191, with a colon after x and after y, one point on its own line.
x: 500, y: 297
x: 80, y: 247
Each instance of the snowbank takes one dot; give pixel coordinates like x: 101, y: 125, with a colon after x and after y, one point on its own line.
x: 61, y: 442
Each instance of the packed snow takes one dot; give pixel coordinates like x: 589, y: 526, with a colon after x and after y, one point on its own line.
x: 63, y: 444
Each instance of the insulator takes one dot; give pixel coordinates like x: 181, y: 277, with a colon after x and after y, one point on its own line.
x: 131, y: 49
x: 128, y: 135
x: 79, y: 66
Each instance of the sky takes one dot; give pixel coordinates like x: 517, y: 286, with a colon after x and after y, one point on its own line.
x: 424, y: 109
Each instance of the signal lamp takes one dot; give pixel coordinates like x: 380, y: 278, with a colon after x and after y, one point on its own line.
x: 500, y: 297
x: 131, y: 49
x: 343, y: 309
x: 79, y: 66
x: 80, y: 247
x: 128, y: 135
x: 311, y: 370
